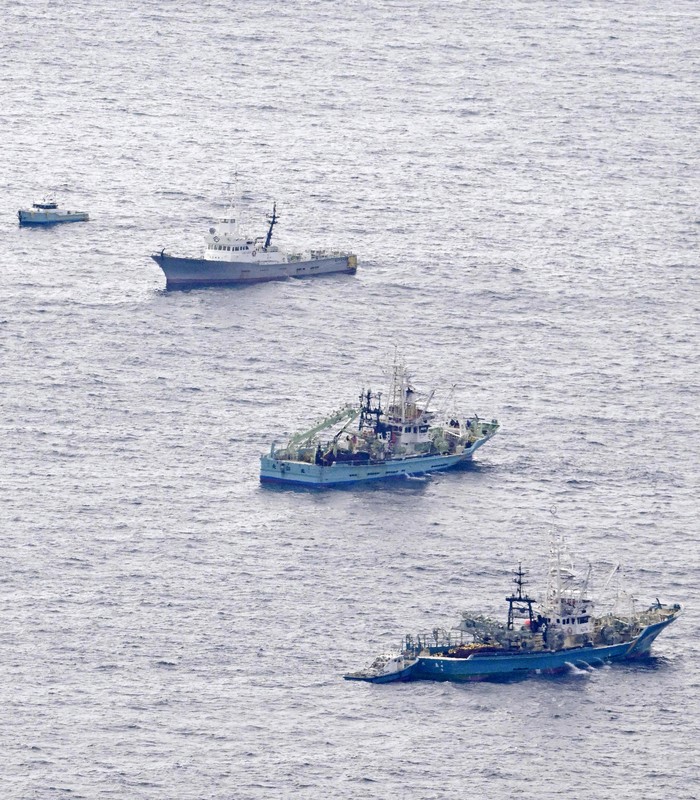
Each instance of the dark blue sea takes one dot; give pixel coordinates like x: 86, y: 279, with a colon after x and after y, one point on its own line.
x: 520, y: 182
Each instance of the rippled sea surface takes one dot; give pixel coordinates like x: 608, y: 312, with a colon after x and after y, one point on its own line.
x: 520, y: 183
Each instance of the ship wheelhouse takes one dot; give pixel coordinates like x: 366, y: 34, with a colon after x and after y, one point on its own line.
x: 226, y: 242
x: 574, y: 618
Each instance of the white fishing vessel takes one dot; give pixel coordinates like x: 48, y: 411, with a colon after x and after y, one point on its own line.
x: 231, y: 257
x: 47, y: 212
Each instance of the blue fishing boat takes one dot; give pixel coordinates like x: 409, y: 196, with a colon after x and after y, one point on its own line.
x: 561, y: 633
x: 368, y: 441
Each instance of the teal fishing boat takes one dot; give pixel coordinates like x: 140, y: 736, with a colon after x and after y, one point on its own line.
x: 369, y: 441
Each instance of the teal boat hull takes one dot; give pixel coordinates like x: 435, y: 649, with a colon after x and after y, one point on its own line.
x: 275, y: 470
x: 27, y: 218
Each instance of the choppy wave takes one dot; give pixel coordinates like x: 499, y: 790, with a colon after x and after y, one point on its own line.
x: 519, y: 184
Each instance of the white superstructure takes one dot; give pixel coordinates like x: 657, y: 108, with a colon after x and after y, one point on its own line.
x: 567, y: 608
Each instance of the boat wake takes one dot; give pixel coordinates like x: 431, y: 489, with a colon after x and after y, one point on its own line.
x: 579, y: 670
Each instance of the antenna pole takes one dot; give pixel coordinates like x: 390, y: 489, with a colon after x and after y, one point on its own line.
x: 273, y: 221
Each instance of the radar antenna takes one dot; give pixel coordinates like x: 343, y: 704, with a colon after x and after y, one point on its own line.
x: 273, y: 221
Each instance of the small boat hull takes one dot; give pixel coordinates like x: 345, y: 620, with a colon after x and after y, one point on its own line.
x: 392, y: 677
x: 194, y: 273
x: 274, y: 470
x: 51, y: 217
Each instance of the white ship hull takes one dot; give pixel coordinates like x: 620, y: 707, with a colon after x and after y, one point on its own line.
x: 189, y: 273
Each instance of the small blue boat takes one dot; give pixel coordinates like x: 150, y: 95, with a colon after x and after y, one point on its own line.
x: 47, y: 212
x: 561, y: 633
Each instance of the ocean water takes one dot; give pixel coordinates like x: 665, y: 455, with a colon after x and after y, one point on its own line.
x: 520, y: 183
